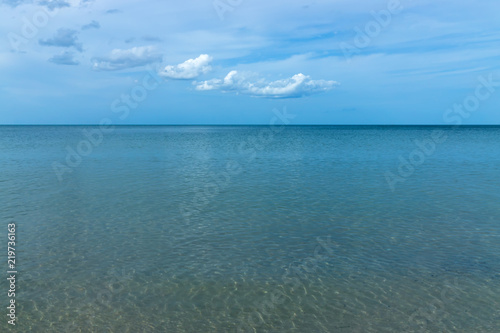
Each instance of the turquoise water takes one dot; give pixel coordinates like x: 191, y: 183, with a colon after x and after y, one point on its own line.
x: 252, y: 229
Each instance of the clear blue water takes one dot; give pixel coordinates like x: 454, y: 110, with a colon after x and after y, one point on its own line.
x: 242, y: 229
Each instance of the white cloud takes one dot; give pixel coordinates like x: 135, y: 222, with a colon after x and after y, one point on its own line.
x: 121, y: 59
x: 189, y: 69
x: 298, y: 85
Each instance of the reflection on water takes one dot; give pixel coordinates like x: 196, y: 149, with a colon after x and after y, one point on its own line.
x: 304, y: 236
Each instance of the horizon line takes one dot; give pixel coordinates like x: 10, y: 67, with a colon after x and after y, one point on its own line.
x: 288, y: 125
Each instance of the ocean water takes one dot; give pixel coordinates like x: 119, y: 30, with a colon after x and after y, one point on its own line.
x: 252, y: 228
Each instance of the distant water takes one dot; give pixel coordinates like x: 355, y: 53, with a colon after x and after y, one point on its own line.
x: 248, y: 228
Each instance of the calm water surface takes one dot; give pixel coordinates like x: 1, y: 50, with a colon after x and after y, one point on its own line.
x: 245, y: 229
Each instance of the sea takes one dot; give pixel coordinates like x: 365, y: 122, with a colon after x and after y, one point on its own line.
x: 251, y: 228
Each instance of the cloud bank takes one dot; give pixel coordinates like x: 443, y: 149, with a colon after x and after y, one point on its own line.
x: 189, y: 69
x: 91, y: 25
x: 298, y: 85
x: 66, y: 58
x: 113, y: 11
x: 63, y: 38
x: 122, y: 59
x: 53, y: 4
x: 15, y: 3
x: 50, y: 4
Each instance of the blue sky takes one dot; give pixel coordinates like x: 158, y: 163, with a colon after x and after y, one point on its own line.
x: 234, y: 61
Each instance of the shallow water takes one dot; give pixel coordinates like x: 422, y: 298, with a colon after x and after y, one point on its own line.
x: 227, y: 228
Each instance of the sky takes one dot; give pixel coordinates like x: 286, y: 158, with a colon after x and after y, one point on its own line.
x: 238, y: 61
